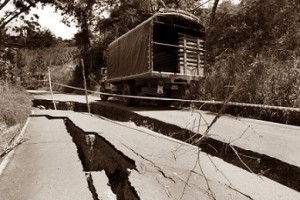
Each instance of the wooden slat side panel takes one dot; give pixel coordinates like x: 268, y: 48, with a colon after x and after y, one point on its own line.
x: 190, y: 55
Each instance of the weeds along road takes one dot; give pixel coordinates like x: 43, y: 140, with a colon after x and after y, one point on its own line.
x: 266, y: 148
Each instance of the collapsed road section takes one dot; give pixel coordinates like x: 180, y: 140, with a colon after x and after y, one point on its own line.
x: 142, y: 164
x: 259, y: 163
x: 97, y: 154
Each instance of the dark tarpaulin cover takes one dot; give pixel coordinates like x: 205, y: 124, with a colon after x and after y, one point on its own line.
x: 129, y: 55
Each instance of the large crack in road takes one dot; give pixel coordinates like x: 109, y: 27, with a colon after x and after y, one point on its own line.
x: 277, y: 170
x: 97, y: 154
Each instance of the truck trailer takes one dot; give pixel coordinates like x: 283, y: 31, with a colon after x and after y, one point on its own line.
x: 161, y: 57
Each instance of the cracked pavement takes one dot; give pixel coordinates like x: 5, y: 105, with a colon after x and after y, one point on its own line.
x: 161, y: 167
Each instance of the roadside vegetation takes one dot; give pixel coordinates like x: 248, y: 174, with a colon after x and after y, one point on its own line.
x: 256, y: 40
x: 15, y: 108
x: 15, y: 105
x: 59, y: 58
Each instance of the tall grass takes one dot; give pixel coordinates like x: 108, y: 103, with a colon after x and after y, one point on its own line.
x: 15, y: 105
x: 270, y: 80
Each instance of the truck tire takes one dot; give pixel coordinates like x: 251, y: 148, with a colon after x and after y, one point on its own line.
x: 103, y: 97
x: 128, y: 90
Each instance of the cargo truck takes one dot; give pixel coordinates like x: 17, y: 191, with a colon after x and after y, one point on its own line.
x: 161, y: 57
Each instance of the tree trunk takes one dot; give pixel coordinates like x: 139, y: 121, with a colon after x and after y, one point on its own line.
x: 213, y: 13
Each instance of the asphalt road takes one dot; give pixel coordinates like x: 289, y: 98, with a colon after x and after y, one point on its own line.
x: 161, y: 167
x: 275, y: 140
x: 45, y: 166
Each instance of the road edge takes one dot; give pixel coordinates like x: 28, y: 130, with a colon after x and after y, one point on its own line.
x: 10, y: 154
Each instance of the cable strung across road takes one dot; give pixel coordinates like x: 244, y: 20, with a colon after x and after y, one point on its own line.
x: 188, y: 100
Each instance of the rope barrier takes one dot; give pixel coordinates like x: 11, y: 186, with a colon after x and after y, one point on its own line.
x: 185, y: 100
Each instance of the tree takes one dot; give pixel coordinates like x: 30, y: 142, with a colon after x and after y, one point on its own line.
x: 256, y: 35
x: 39, y: 39
x: 123, y: 17
x: 213, y: 13
x: 84, y: 13
x: 19, y: 9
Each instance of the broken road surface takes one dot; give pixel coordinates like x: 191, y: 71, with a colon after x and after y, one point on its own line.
x: 276, y: 140
x: 138, y: 163
x: 45, y: 165
x: 279, y: 141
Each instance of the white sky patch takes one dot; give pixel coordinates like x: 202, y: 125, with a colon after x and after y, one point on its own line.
x: 48, y: 19
x: 51, y: 19
x: 211, y: 3
x: 236, y: 1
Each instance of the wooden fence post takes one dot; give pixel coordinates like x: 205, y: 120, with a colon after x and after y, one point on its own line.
x: 85, y: 88
x: 50, y: 86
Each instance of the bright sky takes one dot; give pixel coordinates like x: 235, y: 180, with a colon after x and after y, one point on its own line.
x: 48, y: 19
x: 51, y: 20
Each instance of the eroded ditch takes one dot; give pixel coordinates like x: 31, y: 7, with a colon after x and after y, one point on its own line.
x: 261, y: 164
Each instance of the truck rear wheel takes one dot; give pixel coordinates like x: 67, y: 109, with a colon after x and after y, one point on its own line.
x: 128, y: 90
x: 103, y: 97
